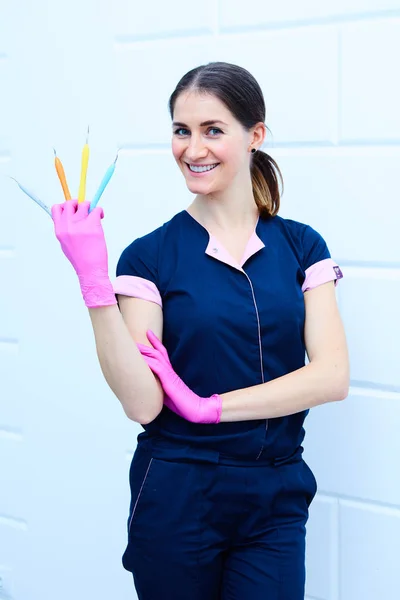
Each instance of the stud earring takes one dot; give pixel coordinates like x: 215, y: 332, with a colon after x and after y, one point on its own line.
x: 253, y: 150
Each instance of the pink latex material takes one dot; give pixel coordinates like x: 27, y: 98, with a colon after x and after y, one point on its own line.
x: 82, y: 240
x: 178, y: 397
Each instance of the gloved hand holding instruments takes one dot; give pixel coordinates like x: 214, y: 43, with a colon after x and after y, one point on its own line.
x: 77, y: 225
x: 78, y: 229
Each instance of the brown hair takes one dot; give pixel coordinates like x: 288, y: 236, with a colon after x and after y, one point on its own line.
x: 242, y: 95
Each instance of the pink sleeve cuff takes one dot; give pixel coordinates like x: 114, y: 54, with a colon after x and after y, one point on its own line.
x: 137, y: 287
x: 321, y: 272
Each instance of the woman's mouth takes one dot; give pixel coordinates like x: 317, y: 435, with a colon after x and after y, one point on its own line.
x: 201, y: 170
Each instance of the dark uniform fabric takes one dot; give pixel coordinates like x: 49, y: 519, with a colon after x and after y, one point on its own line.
x: 210, y: 529
x: 219, y: 510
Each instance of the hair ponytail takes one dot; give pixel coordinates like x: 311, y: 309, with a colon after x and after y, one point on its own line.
x: 265, y: 178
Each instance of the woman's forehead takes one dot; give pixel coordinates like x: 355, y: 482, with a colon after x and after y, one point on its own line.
x: 198, y: 107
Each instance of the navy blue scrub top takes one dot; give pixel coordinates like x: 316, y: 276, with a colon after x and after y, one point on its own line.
x: 227, y: 325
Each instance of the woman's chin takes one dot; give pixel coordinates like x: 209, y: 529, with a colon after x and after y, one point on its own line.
x: 198, y: 188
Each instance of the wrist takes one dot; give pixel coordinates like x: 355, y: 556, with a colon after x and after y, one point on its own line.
x: 218, y: 407
x: 97, y: 290
x: 211, y: 409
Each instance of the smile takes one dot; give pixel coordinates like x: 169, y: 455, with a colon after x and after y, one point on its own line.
x: 202, y: 168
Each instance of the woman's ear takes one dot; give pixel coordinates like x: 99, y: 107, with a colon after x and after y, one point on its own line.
x: 258, y: 133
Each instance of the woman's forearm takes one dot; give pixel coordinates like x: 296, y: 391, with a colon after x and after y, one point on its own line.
x: 312, y: 385
x: 123, y: 366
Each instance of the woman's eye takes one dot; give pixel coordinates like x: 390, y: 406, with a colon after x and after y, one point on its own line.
x: 181, y: 131
x: 214, y: 131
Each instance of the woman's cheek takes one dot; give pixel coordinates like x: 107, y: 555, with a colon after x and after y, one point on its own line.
x: 225, y: 153
x: 177, y: 149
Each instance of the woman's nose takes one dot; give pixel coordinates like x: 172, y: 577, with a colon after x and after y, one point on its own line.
x: 196, y: 149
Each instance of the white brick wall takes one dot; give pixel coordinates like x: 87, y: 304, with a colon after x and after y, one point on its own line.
x: 370, y: 93
x: 329, y: 73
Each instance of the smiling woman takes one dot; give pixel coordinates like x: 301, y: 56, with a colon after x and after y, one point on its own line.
x: 217, y: 309
x: 197, y: 141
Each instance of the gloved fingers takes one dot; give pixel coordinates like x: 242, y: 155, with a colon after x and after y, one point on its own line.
x: 96, y: 214
x: 56, y: 211
x: 146, y: 350
x: 157, y: 344
x: 153, y: 363
x: 153, y: 355
x: 160, y: 353
x: 69, y: 209
x: 82, y: 211
x: 150, y: 353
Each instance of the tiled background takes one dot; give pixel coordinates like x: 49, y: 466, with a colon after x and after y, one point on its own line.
x: 329, y: 71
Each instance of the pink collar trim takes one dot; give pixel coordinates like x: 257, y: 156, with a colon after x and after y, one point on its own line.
x: 217, y: 250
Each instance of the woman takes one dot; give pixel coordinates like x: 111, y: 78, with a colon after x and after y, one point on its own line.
x: 220, y: 492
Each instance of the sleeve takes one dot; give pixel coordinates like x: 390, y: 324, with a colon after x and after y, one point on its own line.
x: 136, y: 273
x: 318, y: 265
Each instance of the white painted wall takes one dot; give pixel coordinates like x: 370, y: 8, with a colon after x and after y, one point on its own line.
x: 329, y: 71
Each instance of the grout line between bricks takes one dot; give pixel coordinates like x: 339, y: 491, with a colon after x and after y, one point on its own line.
x: 9, y: 343
x: 312, y: 22
x: 338, y: 571
x: 379, y: 387
x: 302, y: 144
x: 10, y: 435
x: 377, y: 265
x: 365, y: 502
x: 144, y: 149
x: 216, y: 19
x: 357, y: 144
x: 371, y: 142
x: 339, y: 86
x: 276, y: 26
x: 7, y: 253
x: 374, y: 393
x: 130, y: 39
x: 289, y: 148
x: 13, y: 522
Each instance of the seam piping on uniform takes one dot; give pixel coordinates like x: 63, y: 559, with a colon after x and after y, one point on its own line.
x: 139, y: 494
x: 259, y: 329
x: 261, y: 451
x: 260, y: 348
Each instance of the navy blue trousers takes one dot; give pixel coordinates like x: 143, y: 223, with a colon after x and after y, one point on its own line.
x: 218, y: 529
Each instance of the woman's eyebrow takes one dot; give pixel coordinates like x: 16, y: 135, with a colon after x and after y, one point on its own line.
x: 204, y: 124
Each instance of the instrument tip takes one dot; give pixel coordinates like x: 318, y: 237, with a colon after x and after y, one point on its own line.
x: 87, y: 135
x: 55, y: 153
x: 13, y: 178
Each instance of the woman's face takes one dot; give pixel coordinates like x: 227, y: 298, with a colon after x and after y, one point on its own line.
x: 210, y: 146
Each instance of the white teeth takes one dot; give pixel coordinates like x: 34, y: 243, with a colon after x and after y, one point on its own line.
x: 202, y: 169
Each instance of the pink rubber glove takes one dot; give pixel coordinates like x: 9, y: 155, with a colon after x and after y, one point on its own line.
x: 179, y: 398
x: 82, y: 240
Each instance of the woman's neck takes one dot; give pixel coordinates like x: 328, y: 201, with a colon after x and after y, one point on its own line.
x: 226, y: 211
